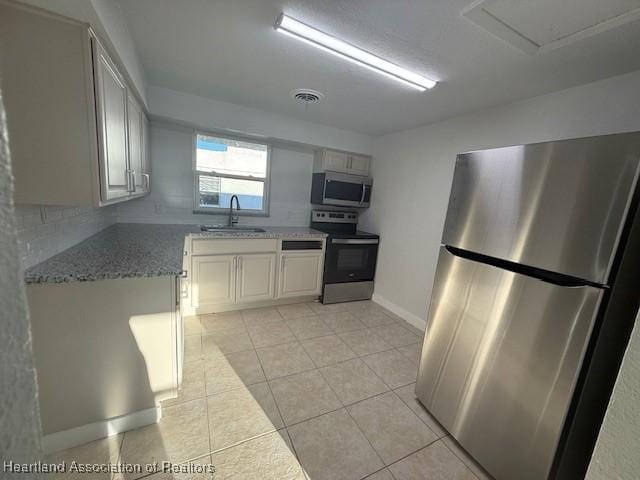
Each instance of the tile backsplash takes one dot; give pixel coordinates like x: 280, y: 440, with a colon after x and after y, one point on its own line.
x: 45, y: 230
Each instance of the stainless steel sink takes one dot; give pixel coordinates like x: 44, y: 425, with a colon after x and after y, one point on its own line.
x: 228, y: 229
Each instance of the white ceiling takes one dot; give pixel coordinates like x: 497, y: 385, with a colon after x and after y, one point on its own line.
x: 228, y: 50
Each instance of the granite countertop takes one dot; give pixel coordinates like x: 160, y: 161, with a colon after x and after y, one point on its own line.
x: 127, y: 250
x: 270, y: 232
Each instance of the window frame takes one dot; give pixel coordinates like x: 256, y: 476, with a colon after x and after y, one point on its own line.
x: 225, y: 210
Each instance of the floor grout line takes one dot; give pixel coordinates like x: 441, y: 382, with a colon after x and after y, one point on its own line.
x: 361, y: 357
x: 423, y: 421
x: 264, y: 373
x: 268, y: 380
x: 464, y: 462
x: 350, y: 416
x: 416, y: 451
x: 204, y: 379
x: 363, y: 433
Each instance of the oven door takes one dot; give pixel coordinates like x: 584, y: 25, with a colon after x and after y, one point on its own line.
x: 346, y: 190
x: 350, y: 260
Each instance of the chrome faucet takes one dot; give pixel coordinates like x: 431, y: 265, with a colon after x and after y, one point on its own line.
x: 233, y: 220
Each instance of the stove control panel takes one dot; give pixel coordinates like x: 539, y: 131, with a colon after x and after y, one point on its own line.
x: 329, y: 216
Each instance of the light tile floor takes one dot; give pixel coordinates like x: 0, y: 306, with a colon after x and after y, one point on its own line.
x: 307, y: 391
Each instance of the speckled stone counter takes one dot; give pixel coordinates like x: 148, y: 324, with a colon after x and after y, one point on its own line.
x: 127, y: 250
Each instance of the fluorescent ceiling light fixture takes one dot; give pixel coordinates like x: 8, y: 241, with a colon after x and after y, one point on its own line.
x: 298, y: 30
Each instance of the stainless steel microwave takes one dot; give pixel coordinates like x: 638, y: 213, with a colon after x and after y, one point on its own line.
x: 341, y: 189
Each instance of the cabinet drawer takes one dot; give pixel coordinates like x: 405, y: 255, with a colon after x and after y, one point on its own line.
x: 207, y: 246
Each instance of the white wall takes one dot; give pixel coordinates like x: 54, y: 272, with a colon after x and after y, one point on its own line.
x: 172, y: 184
x: 19, y: 419
x: 108, y: 21
x: 209, y: 114
x: 616, y: 453
x: 413, y: 169
x: 114, y: 27
x: 176, y: 116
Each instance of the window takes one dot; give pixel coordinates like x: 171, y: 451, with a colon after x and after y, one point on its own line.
x: 225, y: 167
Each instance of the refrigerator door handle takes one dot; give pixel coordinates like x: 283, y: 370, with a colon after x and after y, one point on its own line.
x: 537, y: 273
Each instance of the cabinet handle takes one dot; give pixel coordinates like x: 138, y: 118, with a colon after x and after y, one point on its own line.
x: 131, y: 180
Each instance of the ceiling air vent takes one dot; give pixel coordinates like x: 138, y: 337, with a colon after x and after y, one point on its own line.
x: 306, y: 95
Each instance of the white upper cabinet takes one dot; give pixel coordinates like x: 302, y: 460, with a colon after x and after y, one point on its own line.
x: 146, y: 155
x: 333, y: 161
x: 68, y: 107
x: 359, y: 165
x: 112, y: 104
x: 138, y: 147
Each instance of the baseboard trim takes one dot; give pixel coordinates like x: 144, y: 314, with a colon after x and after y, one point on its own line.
x: 54, y: 442
x: 400, y: 312
x: 206, y: 309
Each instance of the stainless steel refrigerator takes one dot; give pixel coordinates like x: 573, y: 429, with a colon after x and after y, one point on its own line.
x: 534, y: 299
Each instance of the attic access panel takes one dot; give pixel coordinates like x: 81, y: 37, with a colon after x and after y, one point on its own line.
x: 543, y: 25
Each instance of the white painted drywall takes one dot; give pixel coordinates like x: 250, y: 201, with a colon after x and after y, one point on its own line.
x: 616, y: 454
x: 19, y: 419
x: 172, y: 184
x: 209, y: 114
x: 114, y: 26
x: 413, y: 169
x: 108, y: 21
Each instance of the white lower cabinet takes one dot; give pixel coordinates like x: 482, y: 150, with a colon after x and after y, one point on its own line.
x: 214, y: 280
x: 256, y: 277
x: 106, y: 352
x: 229, y: 274
x: 300, y: 274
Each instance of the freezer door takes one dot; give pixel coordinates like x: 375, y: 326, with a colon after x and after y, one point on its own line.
x: 557, y: 206
x: 500, y: 359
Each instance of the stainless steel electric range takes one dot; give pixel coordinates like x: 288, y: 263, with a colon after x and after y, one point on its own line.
x: 350, y: 258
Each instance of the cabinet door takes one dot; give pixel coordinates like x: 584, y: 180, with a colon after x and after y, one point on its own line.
x: 336, y: 161
x: 300, y: 274
x: 213, y: 280
x: 111, y: 103
x: 135, y: 117
x: 256, y: 277
x: 146, y: 155
x: 359, y: 165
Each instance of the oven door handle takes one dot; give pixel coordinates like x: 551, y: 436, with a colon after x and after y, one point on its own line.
x: 364, y: 190
x: 355, y: 241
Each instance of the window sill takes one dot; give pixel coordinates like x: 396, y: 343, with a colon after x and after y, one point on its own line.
x: 225, y: 212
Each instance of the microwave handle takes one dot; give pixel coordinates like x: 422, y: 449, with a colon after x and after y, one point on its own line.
x: 363, y: 193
